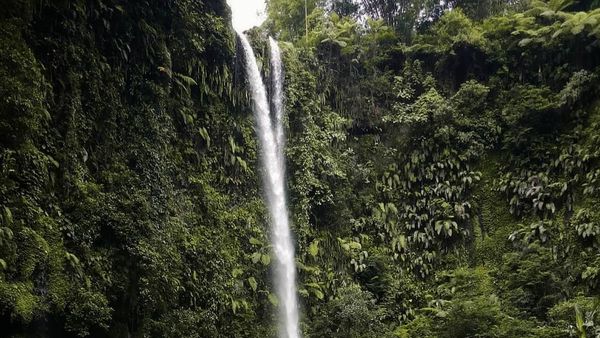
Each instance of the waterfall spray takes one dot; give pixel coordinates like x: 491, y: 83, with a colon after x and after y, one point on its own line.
x: 271, y: 139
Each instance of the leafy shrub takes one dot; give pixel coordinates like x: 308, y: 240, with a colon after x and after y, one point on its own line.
x: 353, y: 314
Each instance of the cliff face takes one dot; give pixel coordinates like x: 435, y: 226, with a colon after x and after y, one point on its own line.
x: 444, y: 185
x: 126, y: 184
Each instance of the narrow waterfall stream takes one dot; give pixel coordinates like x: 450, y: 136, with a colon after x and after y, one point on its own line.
x: 277, y: 95
x: 271, y: 139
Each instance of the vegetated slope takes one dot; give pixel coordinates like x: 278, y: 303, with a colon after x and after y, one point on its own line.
x: 128, y: 191
x: 446, y: 186
x: 443, y: 183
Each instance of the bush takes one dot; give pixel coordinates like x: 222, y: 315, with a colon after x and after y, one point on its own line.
x: 352, y: 314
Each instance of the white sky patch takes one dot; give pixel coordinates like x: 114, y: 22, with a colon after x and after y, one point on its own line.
x: 247, y: 13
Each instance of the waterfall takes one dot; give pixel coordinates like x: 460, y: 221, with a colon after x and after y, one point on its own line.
x: 277, y: 97
x: 271, y: 139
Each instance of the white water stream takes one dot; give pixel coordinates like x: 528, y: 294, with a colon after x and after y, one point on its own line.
x: 271, y: 139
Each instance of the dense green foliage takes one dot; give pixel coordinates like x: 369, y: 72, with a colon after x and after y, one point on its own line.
x: 127, y: 187
x: 450, y: 175
x: 444, y: 169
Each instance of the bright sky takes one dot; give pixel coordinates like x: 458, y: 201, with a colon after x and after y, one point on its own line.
x: 247, y: 13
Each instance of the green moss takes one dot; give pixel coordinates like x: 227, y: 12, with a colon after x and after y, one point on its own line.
x: 34, y: 252
x: 23, y: 88
x: 494, y: 223
x: 18, y: 300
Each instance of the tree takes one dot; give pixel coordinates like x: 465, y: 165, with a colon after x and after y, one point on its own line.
x: 288, y: 16
x: 344, y: 7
